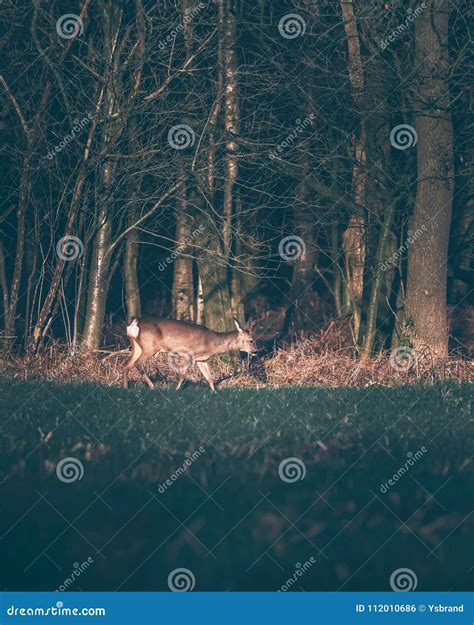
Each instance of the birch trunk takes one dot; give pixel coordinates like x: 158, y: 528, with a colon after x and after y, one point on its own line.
x: 183, y: 283
x: 98, y: 282
x: 100, y: 260
x: 231, y: 115
x: 183, y: 287
x: 354, y: 235
x: 130, y: 272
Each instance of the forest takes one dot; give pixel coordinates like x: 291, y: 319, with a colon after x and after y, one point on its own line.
x: 205, y: 161
x: 298, y: 169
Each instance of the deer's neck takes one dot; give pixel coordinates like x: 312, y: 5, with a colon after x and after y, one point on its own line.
x: 225, y: 341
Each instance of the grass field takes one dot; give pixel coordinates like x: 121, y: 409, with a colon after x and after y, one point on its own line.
x: 381, y: 479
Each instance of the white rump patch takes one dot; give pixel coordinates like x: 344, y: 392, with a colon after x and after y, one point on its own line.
x: 133, y: 329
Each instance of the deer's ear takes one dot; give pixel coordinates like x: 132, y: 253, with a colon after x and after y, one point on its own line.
x: 251, y: 324
x: 237, y: 325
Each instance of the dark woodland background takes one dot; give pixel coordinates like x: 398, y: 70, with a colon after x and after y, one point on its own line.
x: 283, y: 197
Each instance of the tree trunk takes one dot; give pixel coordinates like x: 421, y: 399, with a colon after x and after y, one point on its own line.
x: 216, y: 296
x: 98, y: 281
x: 213, y: 244
x: 231, y: 114
x: 199, y: 315
x: 354, y: 255
x: 237, y: 281
x: 10, y: 316
x: 335, y: 258
x: 130, y: 261
x: 4, y: 287
x: 80, y: 301
x: 99, y: 277
x: 130, y: 272
x: 354, y: 236
x: 231, y: 169
x: 302, y: 314
x: 31, y: 268
x: 380, y: 203
x: 427, y: 258
x: 183, y: 286
x: 377, y: 283
x: 213, y: 273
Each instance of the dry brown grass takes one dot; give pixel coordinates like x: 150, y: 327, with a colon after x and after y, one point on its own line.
x: 305, y: 365
x: 325, y: 359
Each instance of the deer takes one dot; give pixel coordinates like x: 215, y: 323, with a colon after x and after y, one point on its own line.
x: 186, y: 343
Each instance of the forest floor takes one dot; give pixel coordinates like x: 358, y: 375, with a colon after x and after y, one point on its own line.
x: 331, y: 488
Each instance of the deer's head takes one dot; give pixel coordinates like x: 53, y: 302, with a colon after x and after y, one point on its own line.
x: 245, y: 341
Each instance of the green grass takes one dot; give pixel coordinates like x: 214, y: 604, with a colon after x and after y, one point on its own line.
x: 229, y: 517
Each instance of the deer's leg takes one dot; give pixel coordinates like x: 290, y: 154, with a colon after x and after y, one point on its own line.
x: 141, y: 368
x: 134, y: 356
x: 182, y: 374
x: 143, y: 358
x: 204, y: 369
